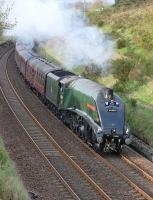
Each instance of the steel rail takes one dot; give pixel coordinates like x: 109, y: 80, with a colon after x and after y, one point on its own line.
x: 66, y: 156
x: 139, y: 169
x: 145, y: 174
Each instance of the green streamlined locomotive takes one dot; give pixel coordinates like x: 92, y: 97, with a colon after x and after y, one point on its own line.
x: 91, y: 110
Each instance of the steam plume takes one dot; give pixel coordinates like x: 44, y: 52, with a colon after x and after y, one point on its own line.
x: 71, y: 39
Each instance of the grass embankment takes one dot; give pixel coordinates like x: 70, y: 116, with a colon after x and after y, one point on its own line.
x: 130, y: 24
x: 11, y: 187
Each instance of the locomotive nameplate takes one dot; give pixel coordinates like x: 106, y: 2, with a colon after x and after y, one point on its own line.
x: 111, y: 110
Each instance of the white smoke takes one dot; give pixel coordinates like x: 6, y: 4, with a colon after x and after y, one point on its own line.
x: 90, y: 1
x: 73, y: 41
x: 109, y: 1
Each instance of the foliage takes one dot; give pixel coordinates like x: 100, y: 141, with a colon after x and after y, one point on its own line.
x: 11, y: 186
x: 121, y: 43
x: 130, y: 23
x: 122, y: 68
x: 4, y: 24
x: 143, y: 93
x: 92, y: 72
x: 140, y: 118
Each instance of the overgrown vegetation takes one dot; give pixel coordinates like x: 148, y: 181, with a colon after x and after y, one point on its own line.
x: 132, y: 28
x: 91, y: 71
x: 130, y: 24
x: 11, y: 186
x: 140, y: 119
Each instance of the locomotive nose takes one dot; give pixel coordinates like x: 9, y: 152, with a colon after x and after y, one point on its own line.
x: 115, y: 132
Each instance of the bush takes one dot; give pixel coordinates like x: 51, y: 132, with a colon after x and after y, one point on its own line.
x: 133, y: 102
x: 148, y: 69
x: 100, y: 23
x: 120, y: 87
x: 121, y: 43
x: 121, y: 69
x: 92, y: 72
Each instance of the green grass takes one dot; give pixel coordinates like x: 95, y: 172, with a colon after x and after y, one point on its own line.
x: 133, y: 26
x: 144, y: 93
x: 140, y: 120
x: 11, y: 186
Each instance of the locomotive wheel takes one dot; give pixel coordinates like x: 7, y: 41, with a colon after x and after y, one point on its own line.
x: 119, y: 149
x: 73, y: 123
x: 99, y: 148
x: 62, y: 118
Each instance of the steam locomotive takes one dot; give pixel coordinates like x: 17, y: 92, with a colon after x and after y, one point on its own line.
x: 91, y: 110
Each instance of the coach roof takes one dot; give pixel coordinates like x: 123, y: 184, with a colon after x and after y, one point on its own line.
x: 42, y: 65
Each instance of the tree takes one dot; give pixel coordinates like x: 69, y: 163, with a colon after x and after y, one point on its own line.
x: 121, y: 69
x: 4, y: 24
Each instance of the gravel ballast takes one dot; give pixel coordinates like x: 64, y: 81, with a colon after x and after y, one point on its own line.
x: 31, y: 167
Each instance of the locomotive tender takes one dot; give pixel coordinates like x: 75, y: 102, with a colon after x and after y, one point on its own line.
x: 91, y: 110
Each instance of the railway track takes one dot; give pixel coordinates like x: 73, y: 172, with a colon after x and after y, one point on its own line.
x: 133, y: 173
x: 63, y: 189
x: 139, y: 161
x: 59, y: 161
x: 104, y: 173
